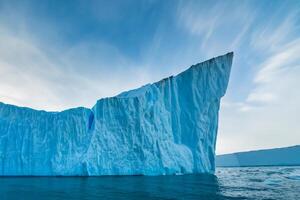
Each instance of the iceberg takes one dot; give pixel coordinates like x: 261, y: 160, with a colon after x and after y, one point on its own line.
x: 284, y: 156
x: 168, y: 127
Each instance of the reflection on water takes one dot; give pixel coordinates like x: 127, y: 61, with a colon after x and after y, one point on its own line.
x: 229, y: 183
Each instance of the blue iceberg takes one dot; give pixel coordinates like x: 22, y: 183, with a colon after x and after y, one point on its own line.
x: 285, y: 156
x: 168, y: 127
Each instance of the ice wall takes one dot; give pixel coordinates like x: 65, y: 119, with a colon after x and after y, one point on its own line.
x: 167, y: 127
x: 286, y: 156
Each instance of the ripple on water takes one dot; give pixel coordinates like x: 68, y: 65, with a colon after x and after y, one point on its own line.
x: 252, y: 183
x: 261, y: 182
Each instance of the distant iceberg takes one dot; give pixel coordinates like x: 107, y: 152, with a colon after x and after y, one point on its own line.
x: 286, y: 156
x: 168, y: 127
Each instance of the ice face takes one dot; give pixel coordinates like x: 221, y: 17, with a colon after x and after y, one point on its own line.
x: 168, y: 127
x: 286, y: 156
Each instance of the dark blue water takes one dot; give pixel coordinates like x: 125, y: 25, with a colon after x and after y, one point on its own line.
x: 229, y: 183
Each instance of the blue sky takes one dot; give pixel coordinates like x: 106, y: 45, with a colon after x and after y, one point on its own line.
x: 60, y: 54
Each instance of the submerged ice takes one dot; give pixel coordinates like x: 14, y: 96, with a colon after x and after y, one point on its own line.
x: 168, y: 127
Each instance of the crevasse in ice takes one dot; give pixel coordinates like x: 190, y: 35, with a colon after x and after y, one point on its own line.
x: 168, y: 127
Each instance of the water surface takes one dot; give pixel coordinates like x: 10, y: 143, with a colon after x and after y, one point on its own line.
x: 229, y: 183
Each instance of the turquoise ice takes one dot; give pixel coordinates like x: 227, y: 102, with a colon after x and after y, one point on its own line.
x: 168, y: 127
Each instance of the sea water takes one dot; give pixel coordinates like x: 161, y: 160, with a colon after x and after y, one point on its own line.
x: 228, y: 183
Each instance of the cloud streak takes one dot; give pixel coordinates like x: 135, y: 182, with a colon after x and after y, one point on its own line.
x: 29, y: 77
x: 267, y: 117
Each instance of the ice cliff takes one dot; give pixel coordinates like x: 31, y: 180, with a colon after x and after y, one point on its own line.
x: 167, y: 127
x: 286, y: 156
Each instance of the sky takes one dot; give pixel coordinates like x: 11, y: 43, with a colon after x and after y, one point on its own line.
x: 56, y: 55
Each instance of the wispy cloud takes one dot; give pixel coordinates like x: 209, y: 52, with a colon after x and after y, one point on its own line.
x: 198, y: 20
x: 272, y: 35
x: 267, y: 117
x: 30, y: 77
x: 221, y: 26
x: 285, y: 57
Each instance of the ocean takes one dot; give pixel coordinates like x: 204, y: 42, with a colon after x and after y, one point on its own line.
x: 228, y: 183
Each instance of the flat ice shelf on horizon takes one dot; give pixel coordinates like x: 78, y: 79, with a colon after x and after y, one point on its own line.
x: 167, y: 127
